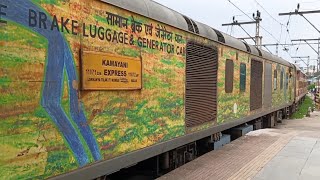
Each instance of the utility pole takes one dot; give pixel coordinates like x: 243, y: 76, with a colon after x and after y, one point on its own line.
x: 257, y: 19
x: 318, y: 64
x: 313, y: 67
x: 306, y: 63
x: 301, y: 13
x: 317, y: 51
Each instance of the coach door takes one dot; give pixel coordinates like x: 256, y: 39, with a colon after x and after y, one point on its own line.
x: 267, y: 97
x: 256, y: 85
x: 201, y: 84
x: 290, y: 84
x: 286, y: 84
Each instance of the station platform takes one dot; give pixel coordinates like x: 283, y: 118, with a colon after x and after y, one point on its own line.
x: 289, y: 151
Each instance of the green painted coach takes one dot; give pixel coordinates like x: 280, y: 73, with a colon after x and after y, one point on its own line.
x: 88, y: 87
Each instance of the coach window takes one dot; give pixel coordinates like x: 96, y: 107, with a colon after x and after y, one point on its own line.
x: 275, y: 78
x: 229, y: 76
x: 243, y: 76
x: 281, y: 80
x: 287, y: 81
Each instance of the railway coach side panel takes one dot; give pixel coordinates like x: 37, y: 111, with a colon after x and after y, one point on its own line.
x: 84, y: 81
x: 298, y: 92
x: 291, y: 84
x: 282, y: 86
x: 28, y: 139
x: 233, y: 97
x: 125, y: 121
x: 301, y: 85
x: 48, y: 126
x: 304, y: 85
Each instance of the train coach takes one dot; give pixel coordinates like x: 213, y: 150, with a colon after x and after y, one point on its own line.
x: 91, y: 87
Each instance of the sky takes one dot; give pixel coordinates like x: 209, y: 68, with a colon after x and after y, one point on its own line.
x: 274, y: 28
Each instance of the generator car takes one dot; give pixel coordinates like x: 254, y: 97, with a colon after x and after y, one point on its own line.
x: 88, y: 88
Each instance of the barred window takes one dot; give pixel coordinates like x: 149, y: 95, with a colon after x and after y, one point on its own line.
x: 243, y: 76
x: 287, y: 81
x: 275, y: 80
x: 229, y: 76
x: 281, y: 79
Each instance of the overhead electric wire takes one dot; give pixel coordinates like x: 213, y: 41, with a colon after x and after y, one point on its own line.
x: 239, y: 9
x: 285, y: 39
x: 280, y: 34
x: 309, y: 2
x: 248, y: 34
x: 253, y: 20
x: 310, y: 23
x: 267, y: 49
x: 268, y: 13
x: 298, y: 48
x: 281, y: 24
x: 260, y: 26
x: 288, y: 30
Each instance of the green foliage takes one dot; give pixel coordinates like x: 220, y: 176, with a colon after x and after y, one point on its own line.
x: 143, y: 117
x: 158, y: 117
x: 311, y: 87
x: 20, y: 34
x: 11, y: 172
x: 221, y: 84
x: 173, y: 62
x: 152, y: 82
x: 59, y: 162
x: 40, y: 113
x: 100, y: 19
x: 11, y: 60
x: 176, y: 131
x: 9, y: 99
x: 226, y: 103
x: 22, y: 143
x: 168, y: 72
x: 4, y: 82
x: 303, y: 109
x: 53, y: 2
x: 130, y: 52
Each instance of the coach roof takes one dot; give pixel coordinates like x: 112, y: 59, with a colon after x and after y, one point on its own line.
x: 161, y: 13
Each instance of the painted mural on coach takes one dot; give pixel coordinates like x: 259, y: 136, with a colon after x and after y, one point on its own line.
x: 84, y: 82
